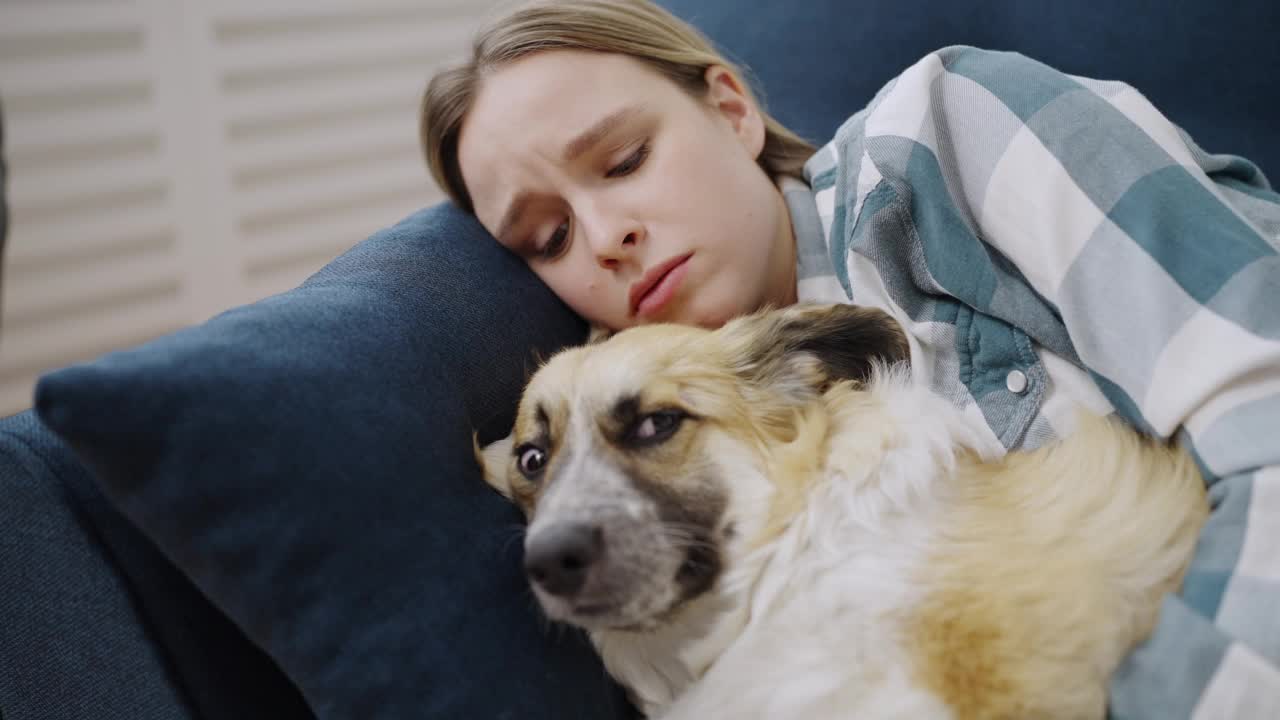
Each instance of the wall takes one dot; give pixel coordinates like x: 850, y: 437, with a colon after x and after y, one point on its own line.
x: 170, y: 159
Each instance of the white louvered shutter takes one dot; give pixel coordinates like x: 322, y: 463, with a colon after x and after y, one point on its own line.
x: 171, y: 159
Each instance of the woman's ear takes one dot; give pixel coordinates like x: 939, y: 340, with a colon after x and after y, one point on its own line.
x: 730, y: 98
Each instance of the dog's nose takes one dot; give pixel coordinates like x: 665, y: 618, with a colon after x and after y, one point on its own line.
x: 559, y: 558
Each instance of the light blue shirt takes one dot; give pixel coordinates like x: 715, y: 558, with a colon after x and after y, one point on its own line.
x: 1051, y: 242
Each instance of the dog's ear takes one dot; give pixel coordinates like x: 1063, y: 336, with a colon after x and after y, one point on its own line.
x: 495, y: 461
x: 811, y: 346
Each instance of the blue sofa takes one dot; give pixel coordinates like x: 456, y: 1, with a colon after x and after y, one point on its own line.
x: 274, y: 514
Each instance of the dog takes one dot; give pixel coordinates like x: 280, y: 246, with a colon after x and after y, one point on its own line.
x: 770, y: 520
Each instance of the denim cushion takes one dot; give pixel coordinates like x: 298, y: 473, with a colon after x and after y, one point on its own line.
x: 1210, y: 67
x: 306, y: 460
x: 83, y: 637
x: 71, y: 642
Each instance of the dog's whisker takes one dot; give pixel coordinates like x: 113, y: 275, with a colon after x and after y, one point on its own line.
x: 515, y: 533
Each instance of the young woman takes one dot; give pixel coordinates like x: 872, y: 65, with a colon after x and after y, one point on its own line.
x: 1047, y: 241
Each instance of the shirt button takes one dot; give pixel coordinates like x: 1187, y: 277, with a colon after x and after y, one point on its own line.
x: 1016, y: 381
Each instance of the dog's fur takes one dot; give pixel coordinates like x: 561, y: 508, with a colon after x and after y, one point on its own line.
x: 810, y: 535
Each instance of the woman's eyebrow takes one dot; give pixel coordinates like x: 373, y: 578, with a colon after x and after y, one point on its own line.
x: 514, y: 210
x: 590, y: 137
x: 573, y: 149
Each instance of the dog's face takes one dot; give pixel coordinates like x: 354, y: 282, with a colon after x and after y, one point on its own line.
x: 646, y: 463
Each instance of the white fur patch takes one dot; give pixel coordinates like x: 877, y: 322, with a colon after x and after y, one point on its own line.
x: 814, y: 623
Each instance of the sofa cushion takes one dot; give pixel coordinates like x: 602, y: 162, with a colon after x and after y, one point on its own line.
x: 306, y: 460
x: 94, y: 622
x: 71, y: 643
x: 1210, y: 67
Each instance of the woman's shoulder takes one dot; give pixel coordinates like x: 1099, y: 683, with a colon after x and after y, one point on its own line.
x: 950, y: 101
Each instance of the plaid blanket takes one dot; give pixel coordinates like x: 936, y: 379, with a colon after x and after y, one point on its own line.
x: 1052, y: 241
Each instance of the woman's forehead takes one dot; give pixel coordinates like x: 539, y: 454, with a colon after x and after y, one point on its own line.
x: 564, y: 70
x: 557, y: 94
x: 546, y: 110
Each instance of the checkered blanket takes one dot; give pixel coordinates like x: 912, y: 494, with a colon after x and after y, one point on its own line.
x: 1051, y: 241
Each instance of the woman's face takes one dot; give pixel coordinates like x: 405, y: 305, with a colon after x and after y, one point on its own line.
x: 632, y: 200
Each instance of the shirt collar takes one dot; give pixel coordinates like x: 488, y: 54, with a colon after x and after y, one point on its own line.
x: 813, y: 263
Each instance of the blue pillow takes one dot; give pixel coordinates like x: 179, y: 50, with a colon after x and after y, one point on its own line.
x: 1210, y: 67
x: 94, y: 622
x: 306, y: 461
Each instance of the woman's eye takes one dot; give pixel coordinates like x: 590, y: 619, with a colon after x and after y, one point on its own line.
x: 631, y: 164
x: 658, y: 426
x: 555, y: 243
x: 531, y: 460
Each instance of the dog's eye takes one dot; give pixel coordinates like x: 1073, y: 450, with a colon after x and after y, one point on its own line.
x: 531, y: 460
x: 658, y: 426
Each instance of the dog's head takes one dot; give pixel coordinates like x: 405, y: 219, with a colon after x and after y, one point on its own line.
x: 648, y: 463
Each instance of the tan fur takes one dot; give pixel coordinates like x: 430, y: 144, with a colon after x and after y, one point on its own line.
x: 709, y: 386
x: 1037, y: 571
x: 493, y: 460
x: 1068, y: 548
x: 794, y: 467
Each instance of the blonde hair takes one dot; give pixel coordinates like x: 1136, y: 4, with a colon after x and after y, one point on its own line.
x: 635, y: 28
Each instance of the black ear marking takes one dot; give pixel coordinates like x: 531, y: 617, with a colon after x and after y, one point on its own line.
x: 847, y: 341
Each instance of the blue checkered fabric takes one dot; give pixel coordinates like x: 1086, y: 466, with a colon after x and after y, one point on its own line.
x: 1052, y: 242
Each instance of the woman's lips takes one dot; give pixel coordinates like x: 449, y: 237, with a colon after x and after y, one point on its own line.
x: 658, y: 286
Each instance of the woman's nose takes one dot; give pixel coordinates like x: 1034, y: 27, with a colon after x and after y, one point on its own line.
x: 613, y: 244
